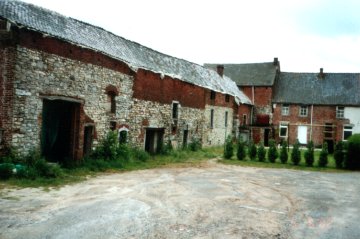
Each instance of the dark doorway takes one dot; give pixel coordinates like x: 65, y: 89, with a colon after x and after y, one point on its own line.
x: 330, y: 144
x: 185, y: 138
x: 266, y: 137
x: 154, y: 140
x: 88, y: 139
x: 60, y: 120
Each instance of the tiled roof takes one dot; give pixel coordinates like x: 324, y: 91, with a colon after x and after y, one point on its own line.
x: 98, y: 39
x: 309, y: 88
x: 253, y: 74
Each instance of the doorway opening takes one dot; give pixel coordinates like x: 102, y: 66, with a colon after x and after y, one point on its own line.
x: 60, y: 130
x: 88, y: 139
x: 154, y: 140
x: 185, y: 138
x: 266, y: 137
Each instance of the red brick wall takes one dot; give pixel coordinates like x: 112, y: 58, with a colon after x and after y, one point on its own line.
x: 219, y: 99
x: 34, y: 40
x: 262, y: 95
x: 321, y: 115
x: 244, y: 109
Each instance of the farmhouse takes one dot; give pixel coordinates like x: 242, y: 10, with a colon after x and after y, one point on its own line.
x: 65, y: 84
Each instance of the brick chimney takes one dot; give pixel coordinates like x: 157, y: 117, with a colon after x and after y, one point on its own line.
x: 321, y: 74
x: 276, y: 61
x: 220, y: 70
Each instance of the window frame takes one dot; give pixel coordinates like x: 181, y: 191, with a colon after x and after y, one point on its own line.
x: 301, y: 112
x: 244, y: 119
x: 175, y: 114
x: 212, y: 95
x: 227, y: 98
x: 340, y: 112
x: 347, y: 130
x: 212, y: 118
x: 285, y: 109
x: 284, y: 125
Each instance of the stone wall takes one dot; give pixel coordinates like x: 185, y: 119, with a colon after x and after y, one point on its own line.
x: 39, y: 74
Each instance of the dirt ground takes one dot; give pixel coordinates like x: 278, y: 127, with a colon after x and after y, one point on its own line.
x: 209, y: 201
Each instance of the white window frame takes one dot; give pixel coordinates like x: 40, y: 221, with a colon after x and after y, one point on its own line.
x: 347, y: 128
x: 303, y: 111
x: 284, y: 125
x: 285, y: 109
x: 340, y: 111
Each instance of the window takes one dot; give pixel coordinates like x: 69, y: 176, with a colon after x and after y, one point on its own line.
x: 227, y: 98
x: 212, y: 95
x: 244, y: 121
x: 347, y: 131
x: 285, y: 110
x: 340, y: 112
x: 112, y: 125
x: 1, y: 135
x: 123, y: 136
x: 212, y: 118
x: 303, y: 111
x: 226, y: 118
x: 283, y: 129
x: 111, y: 99
x: 175, y: 110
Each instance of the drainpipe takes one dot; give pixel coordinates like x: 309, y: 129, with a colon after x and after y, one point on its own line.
x: 311, y: 121
x: 253, y: 101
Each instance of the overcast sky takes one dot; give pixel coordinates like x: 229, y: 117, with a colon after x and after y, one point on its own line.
x: 304, y: 34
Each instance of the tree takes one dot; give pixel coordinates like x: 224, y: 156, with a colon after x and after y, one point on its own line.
x: 272, y: 152
x: 323, y: 158
x: 339, y: 154
x: 229, y: 148
x: 352, y: 159
x: 309, y: 154
x: 252, y: 151
x: 240, y: 154
x: 296, y: 154
x: 284, y: 152
x: 261, y: 152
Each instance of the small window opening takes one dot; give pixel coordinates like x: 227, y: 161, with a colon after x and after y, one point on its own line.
x: 283, y: 132
x: 212, y: 118
x: 123, y: 137
x: 285, y: 110
x: 227, y: 98
x: 226, y: 118
x: 212, y: 95
x: 340, y: 112
x: 175, y: 110
x: 112, y: 125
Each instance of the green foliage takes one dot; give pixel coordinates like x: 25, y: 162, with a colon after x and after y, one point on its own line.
x: 47, y: 170
x: 261, y: 153
x: 6, y: 170
x: 10, y: 156
x: 309, y: 154
x: 252, y: 151
x: 339, y: 154
x: 107, y: 149
x: 272, y: 152
x: 123, y: 152
x: 323, y: 157
x: 352, y: 159
x: 195, y: 144
x: 284, y: 152
x: 167, y: 148
x: 296, y: 153
x: 140, y: 155
x: 32, y: 157
x: 240, y: 153
x: 229, y: 148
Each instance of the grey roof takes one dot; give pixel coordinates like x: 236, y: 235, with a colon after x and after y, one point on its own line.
x: 253, y: 74
x: 308, y: 88
x: 135, y: 55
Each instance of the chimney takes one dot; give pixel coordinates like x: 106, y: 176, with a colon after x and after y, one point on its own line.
x: 276, y: 61
x: 321, y: 74
x: 220, y: 70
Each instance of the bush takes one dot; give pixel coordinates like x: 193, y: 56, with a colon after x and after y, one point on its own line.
x: 352, y: 159
x: 195, y: 144
x: 309, y: 154
x: 240, y: 154
x: 107, y: 149
x: 229, y: 148
x: 47, y: 170
x: 6, y: 170
x: 10, y: 156
x: 140, y: 155
x: 272, y: 153
x: 296, y: 153
x: 339, y: 154
x: 323, y: 158
x: 252, y: 151
x: 284, y: 152
x: 123, y: 152
x: 261, y: 153
x: 32, y: 157
x: 167, y: 148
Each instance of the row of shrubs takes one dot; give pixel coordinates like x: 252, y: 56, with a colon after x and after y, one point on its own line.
x: 346, y: 154
x: 108, y: 154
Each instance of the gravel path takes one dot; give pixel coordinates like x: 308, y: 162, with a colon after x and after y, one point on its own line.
x: 209, y: 201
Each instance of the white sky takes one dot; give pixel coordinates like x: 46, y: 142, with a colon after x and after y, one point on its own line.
x: 304, y: 34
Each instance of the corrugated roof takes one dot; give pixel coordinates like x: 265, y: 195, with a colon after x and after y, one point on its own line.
x: 252, y: 74
x: 96, y: 38
x: 308, y: 88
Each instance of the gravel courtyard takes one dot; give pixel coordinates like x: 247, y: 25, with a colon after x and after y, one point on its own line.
x: 208, y: 201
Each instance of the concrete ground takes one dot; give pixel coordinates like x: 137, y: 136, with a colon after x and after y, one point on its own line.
x: 209, y: 201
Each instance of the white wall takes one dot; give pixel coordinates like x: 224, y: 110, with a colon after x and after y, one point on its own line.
x: 353, y: 114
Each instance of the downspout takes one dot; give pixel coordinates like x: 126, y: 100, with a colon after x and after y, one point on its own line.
x: 253, y: 101
x: 311, y: 121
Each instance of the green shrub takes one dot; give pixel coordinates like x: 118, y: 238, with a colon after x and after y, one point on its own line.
x: 261, y: 153
x: 229, y: 148
x: 140, y: 155
x: 195, y: 144
x: 272, y: 152
x: 96, y: 164
x: 240, y: 153
x: 284, y: 152
x: 323, y: 157
x: 123, y: 152
x: 32, y: 157
x: 352, y: 159
x: 10, y: 156
x: 252, y: 151
x: 6, y: 170
x: 296, y: 153
x: 339, y: 154
x: 167, y: 148
x: 107, y: 149
x: 47, y: 170
x: 309, y: 154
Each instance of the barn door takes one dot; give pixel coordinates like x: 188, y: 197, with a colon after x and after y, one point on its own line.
x: 302, y: 134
